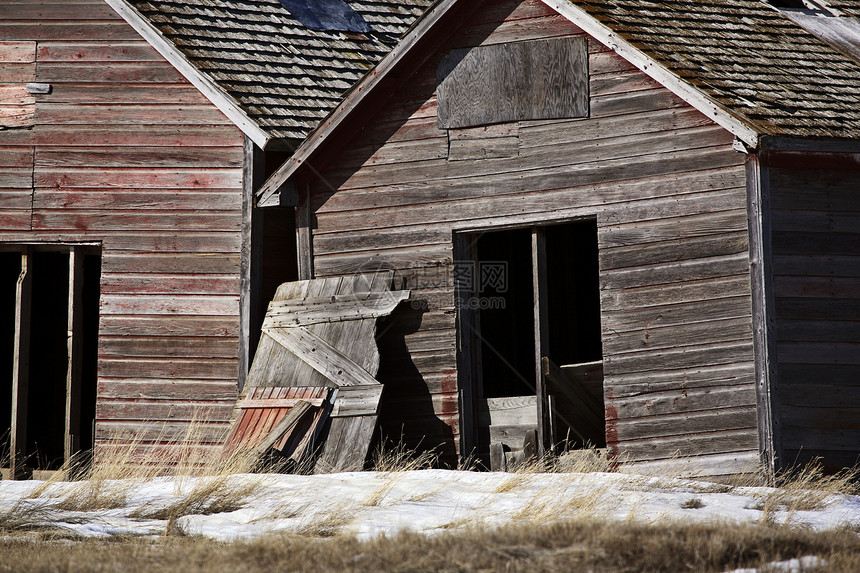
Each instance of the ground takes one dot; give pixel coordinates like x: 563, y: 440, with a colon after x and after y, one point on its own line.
x: 422, y: 520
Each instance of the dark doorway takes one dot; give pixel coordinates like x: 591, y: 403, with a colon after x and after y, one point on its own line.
x: 274, y: 260
x: 503, y: 270
x: 574, y: 348
x: 531, y: 351
x: 50, y: 296
x: 10, y: 268
x: 49, y: 361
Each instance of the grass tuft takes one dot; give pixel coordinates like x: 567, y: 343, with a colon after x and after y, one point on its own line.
x: 693, y: 503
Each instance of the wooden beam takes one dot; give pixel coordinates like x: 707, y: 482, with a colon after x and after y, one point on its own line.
x: 338, y: 308
x: 21, y: 364
x: 287, y: 422
x: 74, y: 321
x: 252, y: 404
x: 800, y: 144
x: 541, y: 329
x: 763, y: 311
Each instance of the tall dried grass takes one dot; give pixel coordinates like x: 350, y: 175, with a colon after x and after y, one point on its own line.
x: 806, y: 488
x: 585, y: 545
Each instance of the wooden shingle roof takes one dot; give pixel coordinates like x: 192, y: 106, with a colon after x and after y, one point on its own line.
x: 282, y: 75
x: 748, y: 58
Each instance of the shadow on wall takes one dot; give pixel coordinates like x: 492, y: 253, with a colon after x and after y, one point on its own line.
x: 407, y: 414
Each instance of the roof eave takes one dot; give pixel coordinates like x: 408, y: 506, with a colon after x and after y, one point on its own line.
x: 267, y: 194
x: 212, y: 91
x: 733, y: 122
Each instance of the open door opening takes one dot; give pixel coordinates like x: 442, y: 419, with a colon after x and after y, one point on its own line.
x: 530, y: 341
x: 572, y: 365
x: 10, y: 268
x: 51, y: 296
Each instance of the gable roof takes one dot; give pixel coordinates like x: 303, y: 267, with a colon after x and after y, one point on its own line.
x: 746, y: 56
x: 742, y: 63
x: 274, y: 77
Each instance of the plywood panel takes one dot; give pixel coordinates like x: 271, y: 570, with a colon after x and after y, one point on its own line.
x: 541, y: 79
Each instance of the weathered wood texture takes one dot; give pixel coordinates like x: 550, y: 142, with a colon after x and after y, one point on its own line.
x: 286, y: 419
x: 500, y: 83
x: 125, y: 152
x: 668, y: 193
x: 816, y: 265
x: 321, y: 333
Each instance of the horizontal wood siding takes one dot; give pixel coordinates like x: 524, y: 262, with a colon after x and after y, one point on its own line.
x: 816, y: 265
x: 668, y: 194
x: 126, y: 152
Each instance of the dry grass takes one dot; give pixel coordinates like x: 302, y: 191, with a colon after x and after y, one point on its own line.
x: 806, y: 488
x: 23, y: 516
x: 211, y: 494
x: 693, y: 503
x: 329, y: 522
x: 591, y: 545
x: 399, y: 458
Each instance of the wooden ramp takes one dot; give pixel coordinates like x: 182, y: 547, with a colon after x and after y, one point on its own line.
x: 321, y: 334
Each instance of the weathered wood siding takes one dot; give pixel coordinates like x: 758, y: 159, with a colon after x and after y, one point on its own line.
x: 668, y: 194
x: 815, y: 216
x: 126, y: 152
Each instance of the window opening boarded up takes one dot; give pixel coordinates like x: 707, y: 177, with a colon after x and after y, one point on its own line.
x: 541, y: 79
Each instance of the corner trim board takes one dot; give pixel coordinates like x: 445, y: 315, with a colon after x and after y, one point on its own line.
x: 763, y: 317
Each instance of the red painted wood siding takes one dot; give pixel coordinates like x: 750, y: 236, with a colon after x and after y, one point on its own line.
x: 126, y: 152
x: 669, y: 196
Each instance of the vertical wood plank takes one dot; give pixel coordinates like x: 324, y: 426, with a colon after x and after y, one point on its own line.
x: 541, y: 329
x: 21, y: 363
x: 250, y: 259
x: 304, y: 236
x: 74, y: 319
x: 764, y: 328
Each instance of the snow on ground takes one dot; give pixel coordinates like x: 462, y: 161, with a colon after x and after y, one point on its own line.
x: 368, y: 504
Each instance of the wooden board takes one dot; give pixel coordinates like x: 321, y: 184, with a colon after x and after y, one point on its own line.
x: 320, y: 333
x: 541, y: 79
x: 264, y: 421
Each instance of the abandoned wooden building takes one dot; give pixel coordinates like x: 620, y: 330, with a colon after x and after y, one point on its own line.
x: 126, y: 249
x: 622, y: 223
x: 647, y: 211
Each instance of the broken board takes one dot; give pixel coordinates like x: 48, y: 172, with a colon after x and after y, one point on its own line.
x: 321, y: 333
x: 284, y: 419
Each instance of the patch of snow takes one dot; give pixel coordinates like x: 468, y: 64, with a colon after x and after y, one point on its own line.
x: 369, y: 504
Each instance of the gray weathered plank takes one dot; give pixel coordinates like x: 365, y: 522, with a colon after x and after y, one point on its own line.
x: 542, y: 79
